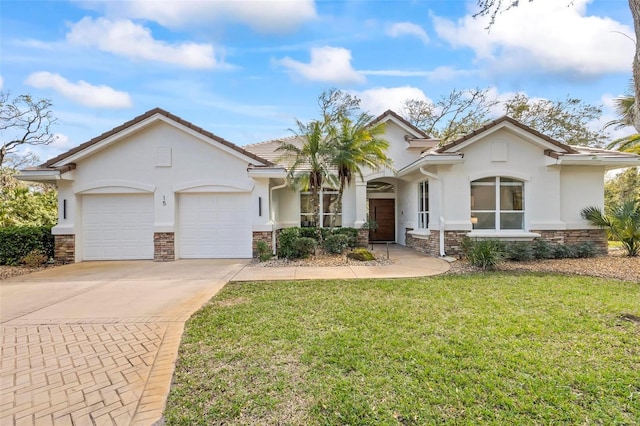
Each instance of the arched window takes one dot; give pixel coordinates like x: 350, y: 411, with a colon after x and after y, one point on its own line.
x: 497, y: 203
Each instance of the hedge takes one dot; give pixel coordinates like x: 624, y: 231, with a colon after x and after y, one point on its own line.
x: 18, y: 241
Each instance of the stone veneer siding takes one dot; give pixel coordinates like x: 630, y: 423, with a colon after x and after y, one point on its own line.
x: 452, y: 240
x: 164, y: 248
x: 362, y: 239
x: 64, y: 248
x: 265, y: 236
x: 577, y: 236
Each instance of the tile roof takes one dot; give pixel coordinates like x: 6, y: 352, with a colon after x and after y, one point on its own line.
x: 567, y: 148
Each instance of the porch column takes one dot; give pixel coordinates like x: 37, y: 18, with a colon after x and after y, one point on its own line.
x: 361, y: 203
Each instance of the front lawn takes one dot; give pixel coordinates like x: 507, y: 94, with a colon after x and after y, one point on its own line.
x: 492, y: 348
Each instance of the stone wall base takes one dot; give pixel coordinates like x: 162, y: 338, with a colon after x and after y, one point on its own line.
x: 64, y: 248
x: 264, y: 236
x: 164, y: 248
x: 362, y: 240
x: 429, y: 244
x: 598, y: 237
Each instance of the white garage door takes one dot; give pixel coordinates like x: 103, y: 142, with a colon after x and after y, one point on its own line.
x: 117, y: 227
x: 215, y: 225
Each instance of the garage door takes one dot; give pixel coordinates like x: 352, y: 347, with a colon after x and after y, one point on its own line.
x: 214, y: 225
x: 117, y: 227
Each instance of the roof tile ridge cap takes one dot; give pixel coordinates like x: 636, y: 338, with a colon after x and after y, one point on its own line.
x: 273, y: 140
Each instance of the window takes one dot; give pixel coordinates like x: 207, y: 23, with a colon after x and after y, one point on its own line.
x: 497, y: 203
x: 423, y: 205
x: 330, y: 214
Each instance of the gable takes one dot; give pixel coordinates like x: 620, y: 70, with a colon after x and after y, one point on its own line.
x: 139, y: 123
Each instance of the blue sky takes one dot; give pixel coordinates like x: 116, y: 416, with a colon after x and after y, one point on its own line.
x: 246, y: 69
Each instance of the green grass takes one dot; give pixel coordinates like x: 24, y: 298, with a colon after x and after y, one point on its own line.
x: 490, y: 349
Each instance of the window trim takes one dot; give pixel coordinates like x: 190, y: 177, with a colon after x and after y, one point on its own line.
x: 423, y: 215
x: 321, y: 194
x: 498, y: 184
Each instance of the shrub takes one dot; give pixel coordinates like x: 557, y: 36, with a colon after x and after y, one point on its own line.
x: 304, y: 247
x: 310, y: 233
x: 286, y: 242
x: 563, y: 251
x: 485, y: 254
x: 351, y: 233
x: 16, y: 242
x: 519, y: 251
x: 336, y: 244
x: 361, y: 254
x: 542, y: 249
x: 465, y: 246
x: 35, y: 257
x: 585, y: 249
x: 264, y: 251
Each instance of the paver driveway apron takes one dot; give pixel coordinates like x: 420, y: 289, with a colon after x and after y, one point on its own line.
x: 95, y: 342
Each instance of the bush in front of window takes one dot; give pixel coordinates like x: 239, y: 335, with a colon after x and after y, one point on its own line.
x: 485, y: 254
x: 336, y: 244
x: 519, y: 251
x: 542, y: 249
x: 286, y: 242
x: 351, y: 233
x: 304, y: 247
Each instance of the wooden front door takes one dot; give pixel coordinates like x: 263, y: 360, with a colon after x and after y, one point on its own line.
x: 383, y: 211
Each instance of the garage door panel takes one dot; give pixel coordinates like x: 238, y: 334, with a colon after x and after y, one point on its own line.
x: 117, y: 227
x: 216, y: 225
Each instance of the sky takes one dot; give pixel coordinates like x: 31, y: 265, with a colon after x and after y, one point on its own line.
x: 247, y: 69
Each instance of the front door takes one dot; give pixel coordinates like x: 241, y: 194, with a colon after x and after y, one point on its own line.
x: 383, y: 211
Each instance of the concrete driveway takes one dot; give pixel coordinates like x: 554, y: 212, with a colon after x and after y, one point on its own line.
x: 94, y: 343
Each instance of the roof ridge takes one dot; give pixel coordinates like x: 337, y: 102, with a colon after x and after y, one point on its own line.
x: 140, y: 118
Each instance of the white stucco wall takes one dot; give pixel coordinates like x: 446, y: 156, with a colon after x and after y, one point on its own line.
x: 133, y: 164
x: 580, y: 187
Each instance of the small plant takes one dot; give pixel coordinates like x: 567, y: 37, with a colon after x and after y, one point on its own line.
x: 35, y: 258
x: 485, y: 254
x: 304, y: 247
x: 336, y: 244
x: 351, y: 233
x: 361, y: 254
x: 264, y: 251
x: 465, y: 246
x: 542, y: 249
x: 519, y: 251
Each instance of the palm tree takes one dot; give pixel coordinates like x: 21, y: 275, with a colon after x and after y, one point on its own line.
x: 621, y: 221
x: 356, y: 144
x: 625, y: 109
x: 310, y: 162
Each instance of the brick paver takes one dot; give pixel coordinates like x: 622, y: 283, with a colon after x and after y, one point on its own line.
x: 77, y: 373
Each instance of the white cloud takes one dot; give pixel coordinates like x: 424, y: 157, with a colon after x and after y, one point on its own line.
x: 1, y: 83
x: 134, y: 41
x: 328, y: 64
x: 400, y: 29
x: 81, y: 92
x: 379, y: 99
x: 262, y: 15
x: 545, y: 36
x: 442, y: 73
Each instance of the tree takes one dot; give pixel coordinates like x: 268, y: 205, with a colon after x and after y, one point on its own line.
x: 565, y: 120
x: 23, y: 204
x: 622, y: 187
x: 462, y: 112
x: 310, y: 164
x: 622, y: 222
x: 492, y: 8
x: 24, y: 121
x: 356, y: 144
x: 451, y: 116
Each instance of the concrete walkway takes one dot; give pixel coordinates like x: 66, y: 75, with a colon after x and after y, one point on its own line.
x: 407, y: 263
x: 95, y: 343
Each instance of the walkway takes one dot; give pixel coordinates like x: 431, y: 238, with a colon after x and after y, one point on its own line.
x: 95, y: 343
